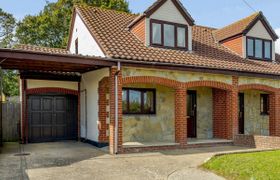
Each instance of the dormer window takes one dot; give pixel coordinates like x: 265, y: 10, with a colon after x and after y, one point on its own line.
x: 167, y: 34
x: 259, y: 48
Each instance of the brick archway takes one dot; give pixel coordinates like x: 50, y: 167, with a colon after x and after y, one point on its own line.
x: 259, y: 87
x: 222, y: 103
x: 51, y: 90
x: 274, y: 106
x: 211, y: 84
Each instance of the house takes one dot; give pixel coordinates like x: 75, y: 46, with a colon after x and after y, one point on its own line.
x: 150, y: 82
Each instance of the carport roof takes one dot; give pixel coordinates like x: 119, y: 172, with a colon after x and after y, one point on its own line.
x: 44, y: 61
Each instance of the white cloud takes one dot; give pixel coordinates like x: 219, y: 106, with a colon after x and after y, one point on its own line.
x: 277, y: 45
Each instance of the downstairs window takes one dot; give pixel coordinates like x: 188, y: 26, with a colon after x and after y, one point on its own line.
x: 264, y: 104
x: 138, y: 101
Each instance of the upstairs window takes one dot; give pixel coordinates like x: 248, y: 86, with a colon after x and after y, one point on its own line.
x: 259, y: 48
x: 76, y: 46
x: 170, y: 35
x: 138, y: 101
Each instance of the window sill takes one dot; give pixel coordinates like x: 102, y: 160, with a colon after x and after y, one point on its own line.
x: 138, y: 114
x: 259, y: 59
x: 264, y: 114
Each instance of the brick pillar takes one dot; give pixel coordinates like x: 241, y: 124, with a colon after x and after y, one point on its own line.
x: 233, y: 107
x: 102, y: 113
x: 181, y: 116
x: 220, y: 119
x: 274, y: 114
x: 113, y: 72
x: 232, y: 113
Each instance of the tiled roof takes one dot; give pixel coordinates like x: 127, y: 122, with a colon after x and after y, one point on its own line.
x: 235, y: 28
x: 41, y: 49
x: 110, y: 30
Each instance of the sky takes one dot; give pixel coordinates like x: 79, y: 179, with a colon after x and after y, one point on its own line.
x: 213, y: 13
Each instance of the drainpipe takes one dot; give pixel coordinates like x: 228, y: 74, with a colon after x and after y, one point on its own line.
x: 116, y: 108
x: 85, y: 103
x: 86, y: 116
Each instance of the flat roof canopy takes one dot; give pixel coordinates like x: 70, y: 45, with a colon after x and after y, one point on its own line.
x: 29, y: 60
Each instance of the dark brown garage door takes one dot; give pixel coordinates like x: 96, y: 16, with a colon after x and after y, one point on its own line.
x: 52, y: 117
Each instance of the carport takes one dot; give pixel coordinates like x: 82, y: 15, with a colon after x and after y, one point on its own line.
x: 57, y: 104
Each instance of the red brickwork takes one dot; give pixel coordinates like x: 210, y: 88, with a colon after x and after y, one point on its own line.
x: 257, y: 141
x: 235, y: 44
x: 103, y: 89
x: 220, y: 118
x: 51, y: 90
x: 181, y: 116
x: 113, y: 72
x: 274, y: 114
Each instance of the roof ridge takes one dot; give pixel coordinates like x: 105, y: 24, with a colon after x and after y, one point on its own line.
x: 32, y: 45
x: 202, y: 26
x: 236, y: 22
x: 103, y: 9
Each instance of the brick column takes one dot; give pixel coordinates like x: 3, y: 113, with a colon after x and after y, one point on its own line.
x: 274, y: 114
x: 102, y: 113
x: 232, y: 113
x: 113, y: 72
x: 181, y: 116
x: 220, y: 118
x: 233, y: 108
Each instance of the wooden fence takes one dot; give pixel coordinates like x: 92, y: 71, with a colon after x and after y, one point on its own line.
x: 10, y: 121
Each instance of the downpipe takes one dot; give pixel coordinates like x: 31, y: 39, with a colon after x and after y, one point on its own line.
x: 116, y: 108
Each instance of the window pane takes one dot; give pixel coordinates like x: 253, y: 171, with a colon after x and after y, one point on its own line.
x: 149, y: 102
x: 258, y: 48
x: 267, y: 49
x: 169, y: 35
x: 156, y: 33
x: 181, y: 37
x: 124, y: 100
x: 250, y: 44
x: 134, y: 101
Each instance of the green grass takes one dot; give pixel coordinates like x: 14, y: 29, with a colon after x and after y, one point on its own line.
x: 252, y: 166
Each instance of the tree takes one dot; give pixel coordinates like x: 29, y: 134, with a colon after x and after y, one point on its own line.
x: 51, y: 26
x: 9, y: 77
x: 7, y: 26
x: 10, y: 82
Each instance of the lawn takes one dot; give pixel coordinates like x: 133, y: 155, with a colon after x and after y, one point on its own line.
x: 252, y: 166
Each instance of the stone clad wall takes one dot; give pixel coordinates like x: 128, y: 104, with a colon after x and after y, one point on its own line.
x: 252, y: 80
x: 181, y: 76
x: 152, y: 128
x: 255, y: 123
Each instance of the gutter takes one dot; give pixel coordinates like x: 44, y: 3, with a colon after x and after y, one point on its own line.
x: 109, y: 61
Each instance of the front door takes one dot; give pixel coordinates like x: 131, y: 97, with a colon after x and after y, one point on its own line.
x: 191, y: 113
x: 241, y: 113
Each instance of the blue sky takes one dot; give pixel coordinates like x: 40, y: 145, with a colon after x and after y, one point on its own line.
x: 215, y: 13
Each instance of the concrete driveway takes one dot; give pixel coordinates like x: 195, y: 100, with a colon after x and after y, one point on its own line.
x: 75, y: 160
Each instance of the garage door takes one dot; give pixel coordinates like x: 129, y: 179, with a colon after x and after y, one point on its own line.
x: 52, y: 117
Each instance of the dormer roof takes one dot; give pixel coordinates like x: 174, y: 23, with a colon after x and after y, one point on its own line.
x: 148, y: 12
x: 243, y: 26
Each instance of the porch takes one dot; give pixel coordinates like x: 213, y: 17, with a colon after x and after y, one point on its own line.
x: 191, y: 114
x: 175, y: 118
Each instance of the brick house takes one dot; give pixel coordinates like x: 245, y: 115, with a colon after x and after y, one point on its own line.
x: 150, y: 82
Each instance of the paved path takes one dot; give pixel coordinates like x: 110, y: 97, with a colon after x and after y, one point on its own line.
x: 74, y: 160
